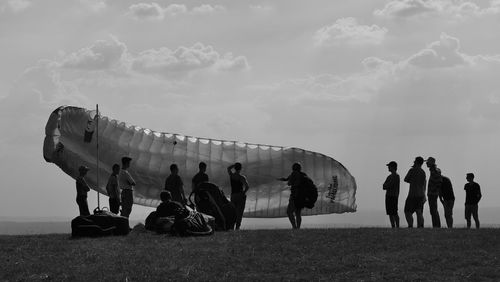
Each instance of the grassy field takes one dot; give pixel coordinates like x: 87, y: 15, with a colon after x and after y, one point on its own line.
x: 366, y: 254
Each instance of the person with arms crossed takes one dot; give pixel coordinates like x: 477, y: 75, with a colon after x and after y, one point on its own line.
x: 391, y: 186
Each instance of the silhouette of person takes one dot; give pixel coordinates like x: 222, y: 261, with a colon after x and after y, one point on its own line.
x: 416, y: 194
x: 168, y: 207
x: 174, y: 184
x: 200, y: 177
x: 433, y: 190
x: 81, y: 191
x: 447, y: 198
x: 294, y: 209
x: 472, y: 198
x: 239, y: 188
x: 126, y: 184
x: 114, y: 190
x: 391, y: 186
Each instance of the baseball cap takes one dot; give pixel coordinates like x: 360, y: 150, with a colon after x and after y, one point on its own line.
x: 392, y: 164
x: 430, y: 160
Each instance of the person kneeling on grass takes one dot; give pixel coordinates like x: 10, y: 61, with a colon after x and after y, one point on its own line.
x: 176, y: 219
x: 170, y: 208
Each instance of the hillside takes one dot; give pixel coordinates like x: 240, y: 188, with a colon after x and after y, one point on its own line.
x: 249, y: 255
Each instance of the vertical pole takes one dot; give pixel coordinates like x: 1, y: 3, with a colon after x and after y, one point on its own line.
x: 97, y: 147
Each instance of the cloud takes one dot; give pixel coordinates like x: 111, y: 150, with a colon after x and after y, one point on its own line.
x: 456, y: 9
x: 207, y: 9
x: 261, y: 9
x: 176, y: 9
x: 17, y: 5
x: 442, y: 53
x: 95, y: 5
x: 186, y: 59
x: 102, y: 55
x: 153, y: 11
x: 439, y: 90
x: 348, y: 31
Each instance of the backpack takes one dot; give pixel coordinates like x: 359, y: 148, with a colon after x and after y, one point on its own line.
x: 308, y: 192
x: 210, y: 199
x: 101, y: 223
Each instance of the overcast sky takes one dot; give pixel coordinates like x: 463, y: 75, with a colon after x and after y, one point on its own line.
x: 363, y: 81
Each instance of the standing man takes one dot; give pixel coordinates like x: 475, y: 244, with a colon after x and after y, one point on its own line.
x: 239, y: 188
x: 391, y: 186
x: 472, y: 198
x: 81, y: 190
x: 416, y: 194
x: 295, y: 205
x: 433, y: 190
x: 114, y: 190
x: 200, y: 177
x: 126, y: 183
x: 447, y: 198
x: 175, y: 186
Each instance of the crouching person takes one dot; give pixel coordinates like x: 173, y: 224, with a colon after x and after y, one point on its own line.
x: 173, y: 217
x: 169, y: 208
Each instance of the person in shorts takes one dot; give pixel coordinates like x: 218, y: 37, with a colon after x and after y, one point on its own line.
x: 295, y: 205
x: 391, y: 186
x: 472, y: 198
x: 416, y: 194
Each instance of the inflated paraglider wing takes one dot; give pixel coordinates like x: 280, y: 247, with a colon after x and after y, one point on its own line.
x: 70, y: 141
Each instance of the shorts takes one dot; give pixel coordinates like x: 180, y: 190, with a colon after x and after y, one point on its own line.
x: 391, y: 205
x: 414, y: 204
x: 470, y: 210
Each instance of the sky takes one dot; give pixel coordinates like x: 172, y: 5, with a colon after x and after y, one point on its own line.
x: 364, y: 82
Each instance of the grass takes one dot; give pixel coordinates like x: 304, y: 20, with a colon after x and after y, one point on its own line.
x: 366, y: 254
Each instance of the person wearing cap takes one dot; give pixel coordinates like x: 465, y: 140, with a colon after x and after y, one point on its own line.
x: 433, y: 190
x: 416, y: 194
x: 81, y: 191
x: 472, y: 198
x: 447, y: 198
x: 174, y: 184
x: 126, y: 183
x: 391, y: 186
x: 114, y: 190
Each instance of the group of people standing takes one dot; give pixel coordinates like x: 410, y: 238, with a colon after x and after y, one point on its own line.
x: 120, y: 187
x: 438, y: 187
